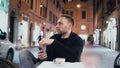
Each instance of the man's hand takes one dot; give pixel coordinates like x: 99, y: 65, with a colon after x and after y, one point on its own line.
x: 42, y: 55
x: 45, y: 42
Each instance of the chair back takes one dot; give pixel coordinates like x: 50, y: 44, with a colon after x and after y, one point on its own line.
x: 4, y: 63
x: 117, y: 61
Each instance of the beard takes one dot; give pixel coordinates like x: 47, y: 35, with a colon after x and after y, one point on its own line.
x: 62, y: 33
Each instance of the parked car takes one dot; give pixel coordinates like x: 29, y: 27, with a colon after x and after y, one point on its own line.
x: 7, y: 49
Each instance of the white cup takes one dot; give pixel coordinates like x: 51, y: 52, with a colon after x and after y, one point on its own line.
x: 59, y: 61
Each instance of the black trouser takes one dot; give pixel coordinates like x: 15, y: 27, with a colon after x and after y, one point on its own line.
x: 27, y: 60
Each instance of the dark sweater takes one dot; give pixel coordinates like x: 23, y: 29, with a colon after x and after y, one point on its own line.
x: 69, y: 48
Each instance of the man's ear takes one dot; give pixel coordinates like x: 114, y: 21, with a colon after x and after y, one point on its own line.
x: 69, y: 25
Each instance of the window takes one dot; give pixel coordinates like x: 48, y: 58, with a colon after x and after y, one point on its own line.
x: 84, y: 0
x: 69, y: 12
x: 58, y: 5
x: 44, y: 11
x: 50, y: 16
x: 83, y: 27
x: 27, y: 1
x: 31, y: 4
x: 53, y: 18
x: 118, y: 1
x: 111, y: 5
x: 70, y: 0
x: 19, y: 4
x: 41, y: 10
x: 56, y: 20
x: 83, y: 14
x: 54, y: 1
x: 63, y: 10
x: 64, y: 1
x: 51, y: 1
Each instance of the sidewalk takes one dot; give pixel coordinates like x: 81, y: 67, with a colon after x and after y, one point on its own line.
x: 100, y: 56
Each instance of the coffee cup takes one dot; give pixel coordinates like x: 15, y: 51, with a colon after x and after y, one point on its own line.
x: 59, y: 61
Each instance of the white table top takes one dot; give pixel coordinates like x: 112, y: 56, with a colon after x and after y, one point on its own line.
x: 50, y: 64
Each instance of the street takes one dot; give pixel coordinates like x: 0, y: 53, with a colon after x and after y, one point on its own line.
x: 100, y: 56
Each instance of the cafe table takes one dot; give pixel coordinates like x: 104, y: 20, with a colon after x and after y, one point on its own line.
x: 50, y: 64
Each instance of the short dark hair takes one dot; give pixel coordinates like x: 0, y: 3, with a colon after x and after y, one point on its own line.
x: 69, y: 18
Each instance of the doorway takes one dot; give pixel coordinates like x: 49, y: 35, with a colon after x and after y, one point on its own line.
x: 30, y: 34
x: 11, y: 25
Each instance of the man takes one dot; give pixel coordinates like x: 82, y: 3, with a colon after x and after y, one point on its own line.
x: 65, y: 44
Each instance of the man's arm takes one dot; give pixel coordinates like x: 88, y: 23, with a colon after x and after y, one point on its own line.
x: 71, y: 51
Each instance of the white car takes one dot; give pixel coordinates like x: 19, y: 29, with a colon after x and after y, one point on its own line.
x: 7, y: 49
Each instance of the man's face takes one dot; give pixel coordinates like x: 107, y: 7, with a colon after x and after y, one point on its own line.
x: 63, y: 25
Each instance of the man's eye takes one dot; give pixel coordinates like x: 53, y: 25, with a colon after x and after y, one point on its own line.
x: 59, y: 23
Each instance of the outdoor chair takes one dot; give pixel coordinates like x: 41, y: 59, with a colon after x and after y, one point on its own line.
x: 117, y: 61
x: 4, y: 63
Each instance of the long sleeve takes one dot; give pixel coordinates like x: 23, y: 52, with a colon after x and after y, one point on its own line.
x: 70, y: 49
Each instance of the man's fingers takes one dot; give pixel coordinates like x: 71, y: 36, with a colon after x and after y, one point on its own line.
x: 45, y: 42
x: 42, y: 56
x: 42, y: 43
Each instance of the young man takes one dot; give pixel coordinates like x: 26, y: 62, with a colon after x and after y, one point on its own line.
x: 65, y: 44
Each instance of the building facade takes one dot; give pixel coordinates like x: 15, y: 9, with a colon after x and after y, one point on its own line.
x: 83, y: 16
x: 30, y: 18
x: 27, y: 19
x: 106, y: 20
x: 4, y: 9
